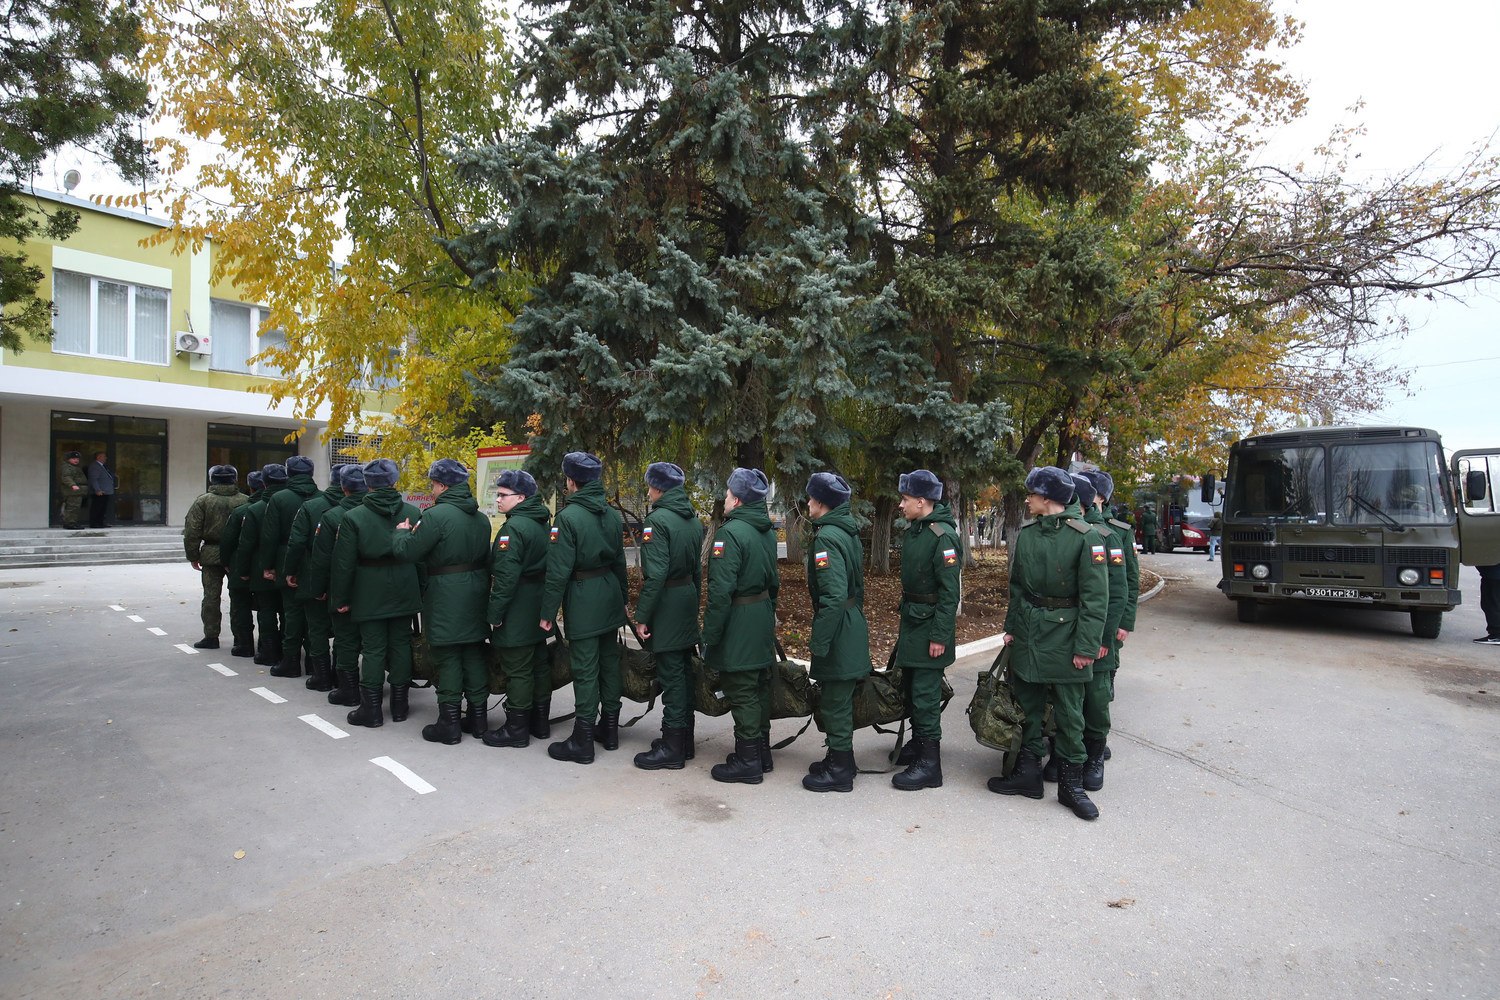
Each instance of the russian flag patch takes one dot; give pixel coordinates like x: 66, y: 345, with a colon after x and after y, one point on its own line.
x: 646, y: 534
x: 950, y: 557
x: 504, y: 542
x: 1117, y: 557
x: 553, y: 535
x: 718, y: 549
x: 1098, y: 553
x: 821, y: 558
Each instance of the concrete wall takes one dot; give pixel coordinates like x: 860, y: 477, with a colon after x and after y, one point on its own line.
x: 25, y: 436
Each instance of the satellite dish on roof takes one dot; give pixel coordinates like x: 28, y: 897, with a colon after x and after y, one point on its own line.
x: 70, y: 180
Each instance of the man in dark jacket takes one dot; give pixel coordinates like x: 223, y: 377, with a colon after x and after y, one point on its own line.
x: 840, y: 635
x: 101, y: 489
x: 340, y: 623
x: 313, y: 603
x: 452, y: 540
x: 518, y: 571
x: 202, y: 533
x: 667, y: 610
x: 275, y: 532
x: 241, y: 600
x: 586, y: 576
x: 931, y: 563
x: 266, y: 595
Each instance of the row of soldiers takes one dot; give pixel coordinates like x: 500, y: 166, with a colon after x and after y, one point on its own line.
x: 357, y: 562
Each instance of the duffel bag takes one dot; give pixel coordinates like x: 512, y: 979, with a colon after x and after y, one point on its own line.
x: 994, y: 713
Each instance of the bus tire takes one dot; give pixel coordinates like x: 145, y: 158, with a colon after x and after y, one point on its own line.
x: 1247, y: 610
x: 1426, y: 624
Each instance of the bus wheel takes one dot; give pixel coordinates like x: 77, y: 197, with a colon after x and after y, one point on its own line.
x: 1426, y: 624
x: 1248, y: 610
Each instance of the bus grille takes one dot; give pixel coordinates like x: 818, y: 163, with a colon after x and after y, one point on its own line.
x: 1332, y: 553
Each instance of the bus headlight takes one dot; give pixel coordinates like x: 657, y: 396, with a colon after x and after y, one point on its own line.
x: 1409, y: 577
x: 1260, y: 571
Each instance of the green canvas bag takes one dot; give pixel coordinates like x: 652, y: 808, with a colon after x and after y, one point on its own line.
x: 994, y: 713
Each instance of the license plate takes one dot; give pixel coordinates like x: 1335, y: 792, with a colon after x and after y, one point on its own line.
x: 1340, y: 593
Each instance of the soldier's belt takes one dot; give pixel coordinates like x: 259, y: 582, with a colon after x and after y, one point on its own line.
x: 534, y: 577
x: 677, y: 581
x: 589, y: 574
x: 383, y: 561
x: 919, y: 598
x: 850, y: 602
x: 764, y: 595
x: 468, y: 567
x: 1051, y: 603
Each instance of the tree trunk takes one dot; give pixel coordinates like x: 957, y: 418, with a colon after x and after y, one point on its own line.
x: 880, y: 535
x: 795, y: 553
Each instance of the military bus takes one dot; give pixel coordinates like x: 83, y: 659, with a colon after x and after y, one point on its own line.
x: 1357, y: 516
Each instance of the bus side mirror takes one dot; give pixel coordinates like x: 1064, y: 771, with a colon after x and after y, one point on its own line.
x: 1206, y: 494
x: 1474, y: 485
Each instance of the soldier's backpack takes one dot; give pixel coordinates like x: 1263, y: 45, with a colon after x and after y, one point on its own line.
x: 994, y: 713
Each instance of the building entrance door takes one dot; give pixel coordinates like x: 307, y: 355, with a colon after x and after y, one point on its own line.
x: 135, y: 450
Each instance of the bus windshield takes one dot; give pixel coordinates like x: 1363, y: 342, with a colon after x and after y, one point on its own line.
x: 1287, y: 484
x: 1393, y: 481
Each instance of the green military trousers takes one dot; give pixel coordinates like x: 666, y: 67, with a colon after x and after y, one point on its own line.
x: 386, y: 644
x: 836, y: 699
x: 72, y: 509
x: 596, y: 675
x: 268, y: 613
x: 242, y: 616
x: 749, y: 696
x: 1096, y: 698
x: 461, y: 673
x: 319, y: 627
x: 1067, y: 714
x: 345, y: 640
x: 528, y: 673
x: 293, y: 621
x: 674, y: 674
x: 213, y: 594
x: 923, y: 691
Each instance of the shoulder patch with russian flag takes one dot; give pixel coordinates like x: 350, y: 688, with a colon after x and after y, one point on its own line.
x: 1098, y: 551
x: 646, y: 534
x: 1117, y: 557
x: 821, y: 559
x: 504, y: 542
x: 552, y: 536
x: 950, y: 557
x: 718, y: 549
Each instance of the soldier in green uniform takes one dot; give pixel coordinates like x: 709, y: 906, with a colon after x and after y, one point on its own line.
x: 1059, y: 595
x: 379, y: 590
x: 667, y: 611
x: 241, y: 600
x: 840, y: 635
x: 265, y: 593
x: 452, y: 540
x: 1150, y: 526
x: 270, y: 554
x: 518, y: 570
x: 202, y: 532
x: 74, y: 483
x: 586, y: 577
x: 739, y: 623
x: 931, y: 563
x: 341, y: 623
x: 313, y: 603
x: 1124, y: 584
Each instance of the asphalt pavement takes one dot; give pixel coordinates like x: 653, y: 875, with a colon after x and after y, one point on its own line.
x: 1305, y: 807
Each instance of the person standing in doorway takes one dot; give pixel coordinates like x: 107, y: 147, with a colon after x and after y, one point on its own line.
x: 101, y: 490
x: 73, y: 483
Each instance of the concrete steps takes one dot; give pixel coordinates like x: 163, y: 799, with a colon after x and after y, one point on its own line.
x: 89, y: 547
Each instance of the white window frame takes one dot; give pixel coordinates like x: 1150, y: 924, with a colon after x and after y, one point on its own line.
x: 257, y: 312
x: 131, y: 286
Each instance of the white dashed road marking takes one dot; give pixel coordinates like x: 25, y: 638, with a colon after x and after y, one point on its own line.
x: 322, y: 725
x: 407, y: 776
x: 156, y: 631
x: 136, y: 618
x: 115, y: 607
x: 222, y: 669
x: 189, y: 650
x: 270, y: 695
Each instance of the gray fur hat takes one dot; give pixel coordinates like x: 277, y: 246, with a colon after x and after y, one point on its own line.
x: 256, y: 480
x: 663, y: 476
x: 1051, y: 482
x: 381, y: 473
x: 1104, y: 483
x: 448, y: 471
x: 275, y: 472
x: 750, y: 485
x: 223, y: 474
x: 517, y: 481
x: 1084, y: 486
x: 920, y: 483
x: 299, y: 465
x: 353, y: 479
x: 828, y: 489
x: 336, y: 474
x: 581, y: 467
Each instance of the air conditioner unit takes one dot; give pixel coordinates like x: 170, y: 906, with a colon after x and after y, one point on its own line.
x: 193, y: 343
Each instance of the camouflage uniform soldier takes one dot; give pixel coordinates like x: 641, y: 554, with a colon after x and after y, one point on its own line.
x: 266, y: 595
x: 518, y: 570
x: 341, y: 623
x: 1059, y: 594
x: 1124, y: 584
x: 75, y: 486
x: 241, y: 601
x: 840, y: 635
x: 202, y: 532
x: 275, y: 532
x: 667, y: 611
x: 314, y: 603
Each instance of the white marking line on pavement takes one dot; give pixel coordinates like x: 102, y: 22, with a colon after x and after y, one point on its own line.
x: 189, y: 650
x: 135, y: 618
x: 157, y: 631
x: 322, y: 725
x: 222, y: 669
x: 407, y: 776
x: 115, y: 607
x: 269, y: 695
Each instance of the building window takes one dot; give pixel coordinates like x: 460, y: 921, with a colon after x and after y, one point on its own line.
x: 233, y: 343
x: 384, y: 382
x: 109, y: 319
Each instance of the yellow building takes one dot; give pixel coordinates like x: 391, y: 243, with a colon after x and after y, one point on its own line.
x: 148, y: 364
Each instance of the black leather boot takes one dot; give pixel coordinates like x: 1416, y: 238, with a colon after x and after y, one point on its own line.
x: 1025, y: 780
x: 319, y: 673
x: 541, y: 718
x: 347, y: 693
x: 445, y: 730
x: 608, y: 730
x: 479, y: 716
x: 1049, y: 769
x: 1070, y: 791
x: 290, y: 665
x: 579, y: 747
x: 399, y: 702
x: 687, y: 735
x: 908, y: 755
x: 665, y: 753
x: 767, y: 765
x: 1108, y: 753
x: 263, y: 652
x: 515, y: 733
x: 742, y: 766
x: 467, y: 724
x: 1093, y: 768
x: 207, y: 642
x: 368, y: 713
x: 819, y: 766
x: 836, y: 775
x: 243, y: 646
x: 926, y: 771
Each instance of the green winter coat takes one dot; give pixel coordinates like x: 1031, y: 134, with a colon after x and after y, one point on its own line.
x: 70, y: 476
x: 931, y: 563
x: 276, y: 523
x: 452, y: 541
x: 229, y: 541
x: 365, y: 575
x: 671, y: 549
x: 1058, y: 559
x: 836, y: 579
x: 742, y: 563
x: 518, y: 570
x: 299, y: 542
x: 320, y: 563
x: 203, y: 528
x: 586, y: 543
x: 249, y: 542
x: 1125, y: 538
x: 1115, y: 571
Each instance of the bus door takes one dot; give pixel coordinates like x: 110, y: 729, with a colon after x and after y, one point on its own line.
x: 1476, y: 473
